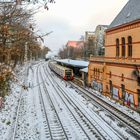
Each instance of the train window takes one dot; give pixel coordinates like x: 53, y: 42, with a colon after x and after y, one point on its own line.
x: 68, y: 72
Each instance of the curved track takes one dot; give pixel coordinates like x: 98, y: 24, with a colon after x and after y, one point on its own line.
x: 92, y: 129
x: 60, y: 109
x: 119, y: 115
x: 53, y: 124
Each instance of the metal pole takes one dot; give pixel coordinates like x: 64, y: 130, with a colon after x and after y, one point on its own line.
x: 25, y: 55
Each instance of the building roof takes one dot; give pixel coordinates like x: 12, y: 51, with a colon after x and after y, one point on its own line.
x: 75, y: 44
x: 84, y: 70
x: 130, y: 12
x: 74, y: 63
x: 105, y: 26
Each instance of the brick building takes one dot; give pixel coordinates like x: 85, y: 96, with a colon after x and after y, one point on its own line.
x: 117, y: 74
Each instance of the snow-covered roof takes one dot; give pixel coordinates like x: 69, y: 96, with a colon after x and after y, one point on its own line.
x: 74, y: 63
x: 84, y: 70
x: 129, y: 13
x: 51, y: 54
x: 75, y: 44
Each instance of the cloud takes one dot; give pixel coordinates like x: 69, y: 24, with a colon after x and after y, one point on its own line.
x: 69, y: 19
x: 62, y: 32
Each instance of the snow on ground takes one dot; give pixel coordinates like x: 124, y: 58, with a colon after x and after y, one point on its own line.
x: 8, y: 112
x: 91, y: 109
x: 77, y: 63
x: 124, y: 109
x: 27, y: 122
x: 31, y: 121
x: 69, y: 123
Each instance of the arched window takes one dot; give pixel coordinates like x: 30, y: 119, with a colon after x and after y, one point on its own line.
x: 129, y: 46
x: 98, y: 73
x: 123, y: 47
x: 117, y: 47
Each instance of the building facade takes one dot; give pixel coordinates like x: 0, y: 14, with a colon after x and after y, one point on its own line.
x: 117, y: 74
x: 100, y: 39
x: 89, y: 48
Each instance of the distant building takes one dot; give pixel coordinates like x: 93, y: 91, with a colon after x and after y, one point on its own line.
x: 75, y: 49
x: 75, y: 44
x: 100, y: 39
x: 117, y: 74
x: 89, y: 44
x: 51, y: 55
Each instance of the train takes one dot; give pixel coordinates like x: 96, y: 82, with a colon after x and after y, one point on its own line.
x: 64, y: 72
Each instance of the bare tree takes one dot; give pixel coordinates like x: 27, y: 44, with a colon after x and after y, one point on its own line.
x: 71, y: 52
x: 13, y: 28
x: 16, y: 30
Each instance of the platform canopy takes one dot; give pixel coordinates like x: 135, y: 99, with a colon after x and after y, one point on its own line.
x: 85, y: 70
x: 73, y: 63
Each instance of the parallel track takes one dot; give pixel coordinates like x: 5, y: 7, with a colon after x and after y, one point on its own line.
x: 17, y: 117
x: 121, y: 116
x: 15, y: 128
x: 93, y: 126
x: 54, y: 127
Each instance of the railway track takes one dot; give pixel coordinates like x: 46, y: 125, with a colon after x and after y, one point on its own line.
x: 91, y: 127
x: 53, y: 125
x: 16, y: 121
x: 18, y: 113
x: 119, y: 115
x: 73, y: 117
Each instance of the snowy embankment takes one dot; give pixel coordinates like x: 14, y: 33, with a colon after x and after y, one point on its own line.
x: 92, y: 110
x: 8, y: 111
x: 30, y: 122
x: 26, y: 121
x: 95, y: 111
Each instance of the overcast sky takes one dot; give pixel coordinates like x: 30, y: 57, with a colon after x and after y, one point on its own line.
x: 69, y: 19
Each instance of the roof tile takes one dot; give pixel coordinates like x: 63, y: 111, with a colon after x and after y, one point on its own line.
x: 129, y: 13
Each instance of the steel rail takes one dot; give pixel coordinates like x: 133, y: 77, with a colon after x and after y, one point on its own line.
x: 18, y: 109
x: 124, y: 118
x: 44, y: 110
x: 70, y: 110
x: 79, y: 109
x: 51, y: 102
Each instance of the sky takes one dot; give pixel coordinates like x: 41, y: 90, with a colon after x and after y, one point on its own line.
x: 69, y: 19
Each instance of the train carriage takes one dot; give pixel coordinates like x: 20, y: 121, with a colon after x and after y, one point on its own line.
x: 65, y: 73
